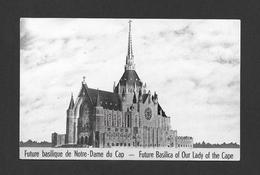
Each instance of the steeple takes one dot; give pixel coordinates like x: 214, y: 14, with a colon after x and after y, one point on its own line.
x: 71, y: 102
x: 130, y: 57
x: 130, y: 49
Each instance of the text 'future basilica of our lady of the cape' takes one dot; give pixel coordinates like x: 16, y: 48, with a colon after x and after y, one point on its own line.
x: 130, y: 116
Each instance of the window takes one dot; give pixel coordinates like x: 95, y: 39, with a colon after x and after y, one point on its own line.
x: 107, y: 144
x: 128, y: 120
x: 118, y: 121
x: 117, y: 144
x: 109, y: 120
x: 82, y: 140
x: 114, y: 120
x: 129, y: 144
x: 124, y: 144
x: 86, y: 140
x: 112, y: 144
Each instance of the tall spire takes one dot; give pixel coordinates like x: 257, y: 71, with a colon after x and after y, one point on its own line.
x: 130, y: 56
x: 130, y: 49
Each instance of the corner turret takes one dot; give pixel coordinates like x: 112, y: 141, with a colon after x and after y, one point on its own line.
x: 71, y: 105
x: 69, y: 139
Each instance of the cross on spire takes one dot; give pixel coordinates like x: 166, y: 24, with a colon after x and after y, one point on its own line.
x: 84, y: 80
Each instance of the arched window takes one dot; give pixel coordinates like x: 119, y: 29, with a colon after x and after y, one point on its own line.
x: 86, y: 140
x: 82, y: 140
x: 84, y: 115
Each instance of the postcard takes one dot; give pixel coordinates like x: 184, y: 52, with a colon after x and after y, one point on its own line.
x: 130, y: 89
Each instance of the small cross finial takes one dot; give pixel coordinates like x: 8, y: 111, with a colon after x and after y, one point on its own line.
x: 84, y: 78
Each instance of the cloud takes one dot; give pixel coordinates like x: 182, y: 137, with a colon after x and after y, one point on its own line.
x: 25, y: 37
x: 232, y: 61
x: 184, y: 31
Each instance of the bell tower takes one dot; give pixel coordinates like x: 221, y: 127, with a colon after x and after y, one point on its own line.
x: 130, y: 83
x: 70, y: 123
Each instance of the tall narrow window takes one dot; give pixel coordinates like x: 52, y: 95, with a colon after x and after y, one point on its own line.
x: 119, y: 121
x: 86, y: 140
x: 105, y: 120
x: 82, y: 140
x: 114, y: 120
x: 109, y: 120
x: 128, y: 120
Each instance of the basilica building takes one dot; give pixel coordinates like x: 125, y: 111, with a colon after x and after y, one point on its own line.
x: 129, y: 116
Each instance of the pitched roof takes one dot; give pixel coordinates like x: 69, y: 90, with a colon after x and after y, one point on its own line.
x: 108, y: 100
x: 131, y: 77
x: 160, y: 109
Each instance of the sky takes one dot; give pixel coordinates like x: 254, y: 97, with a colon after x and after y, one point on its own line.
x: 193, y: 65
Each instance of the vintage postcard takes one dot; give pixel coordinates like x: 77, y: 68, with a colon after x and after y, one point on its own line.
x: 130, y: 89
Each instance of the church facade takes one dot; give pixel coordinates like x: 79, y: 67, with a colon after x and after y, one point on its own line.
x: 129, y: 116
